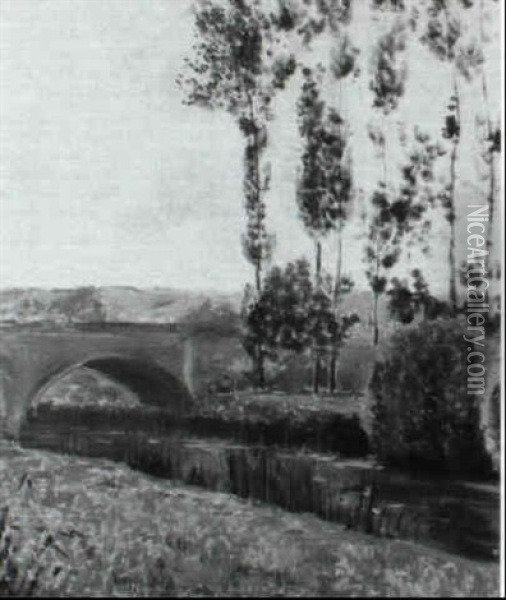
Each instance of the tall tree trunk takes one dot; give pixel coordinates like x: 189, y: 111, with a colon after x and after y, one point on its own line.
x: 316, y: 372
x: 451, y: 215
x: 258, y: 263
x: 451, y: 207
x: 260, y: 366
x: 318, y: 265
x: 337, y: 291
x: 452, y: 261
x: 260, y: 346
x: 260, y: 349
x: 333, y: 367
x: 332, y: 371
x: 317, y: 354
x: 491, y: 201
x: 376, y: 295
x: 375, y: 319
x: 258, y: 277
x: 339, y: 264
x: 490, y: 157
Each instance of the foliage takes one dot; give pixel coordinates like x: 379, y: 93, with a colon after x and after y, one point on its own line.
x: 257, y: 242
x: 383, y: 247
x: 393, y: 5
x: 279, y: 316
x: 325, y: 186
x: 317, y: 206
x: 343, y: 59
x: 423, y: 416
x: 313, y: 18
x: 444, y: 34
x: 384, y: 239
x: 81, y: 304
x: 417, y: 190
x: 399, y: 220
x: 237, y: 57
x: 292, y: 314
x: 409, y: 299
x: 389, y: 71
x: 403, y: 303
x: 443, y: 29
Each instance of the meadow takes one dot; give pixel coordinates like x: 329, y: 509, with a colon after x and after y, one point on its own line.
x: 73, y: 526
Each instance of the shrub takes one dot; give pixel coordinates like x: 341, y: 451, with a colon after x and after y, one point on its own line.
x: 423, y: 418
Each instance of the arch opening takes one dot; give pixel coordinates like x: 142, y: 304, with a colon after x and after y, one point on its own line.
x: 149, y: 382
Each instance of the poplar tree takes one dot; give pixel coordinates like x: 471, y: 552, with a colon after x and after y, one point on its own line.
x: 489, y: 131
x: 343, y: 66
x: 443, y: 36
x: 317, y: 208
x: 240, y: 61
x: 387, y: 84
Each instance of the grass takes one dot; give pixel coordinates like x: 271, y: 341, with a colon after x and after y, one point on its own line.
x: 93, y: 527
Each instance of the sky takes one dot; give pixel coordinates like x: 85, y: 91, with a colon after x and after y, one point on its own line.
x: 106, y: 178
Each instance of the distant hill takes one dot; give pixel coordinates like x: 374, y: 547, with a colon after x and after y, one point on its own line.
x: 154, y: 305
x: 113, y: 304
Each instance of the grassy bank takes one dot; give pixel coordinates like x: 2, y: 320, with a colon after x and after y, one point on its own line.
x: 100, y: 528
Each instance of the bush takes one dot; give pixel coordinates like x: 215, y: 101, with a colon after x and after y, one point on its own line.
x: 423, y: 418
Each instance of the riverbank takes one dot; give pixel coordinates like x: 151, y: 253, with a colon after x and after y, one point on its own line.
x: 116, y: 531
x: 442, y: 512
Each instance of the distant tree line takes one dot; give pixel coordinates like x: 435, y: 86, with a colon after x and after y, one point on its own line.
x: 82, y: 304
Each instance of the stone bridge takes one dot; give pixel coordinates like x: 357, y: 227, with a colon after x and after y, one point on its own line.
x: 163, y: 365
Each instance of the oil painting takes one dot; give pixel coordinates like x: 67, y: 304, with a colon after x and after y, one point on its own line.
x: 251, y: 298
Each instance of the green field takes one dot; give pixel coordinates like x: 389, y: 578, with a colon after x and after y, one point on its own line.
x: 95, y: 527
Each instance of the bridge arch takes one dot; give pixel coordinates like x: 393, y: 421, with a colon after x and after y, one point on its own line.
x: 152, y: 384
